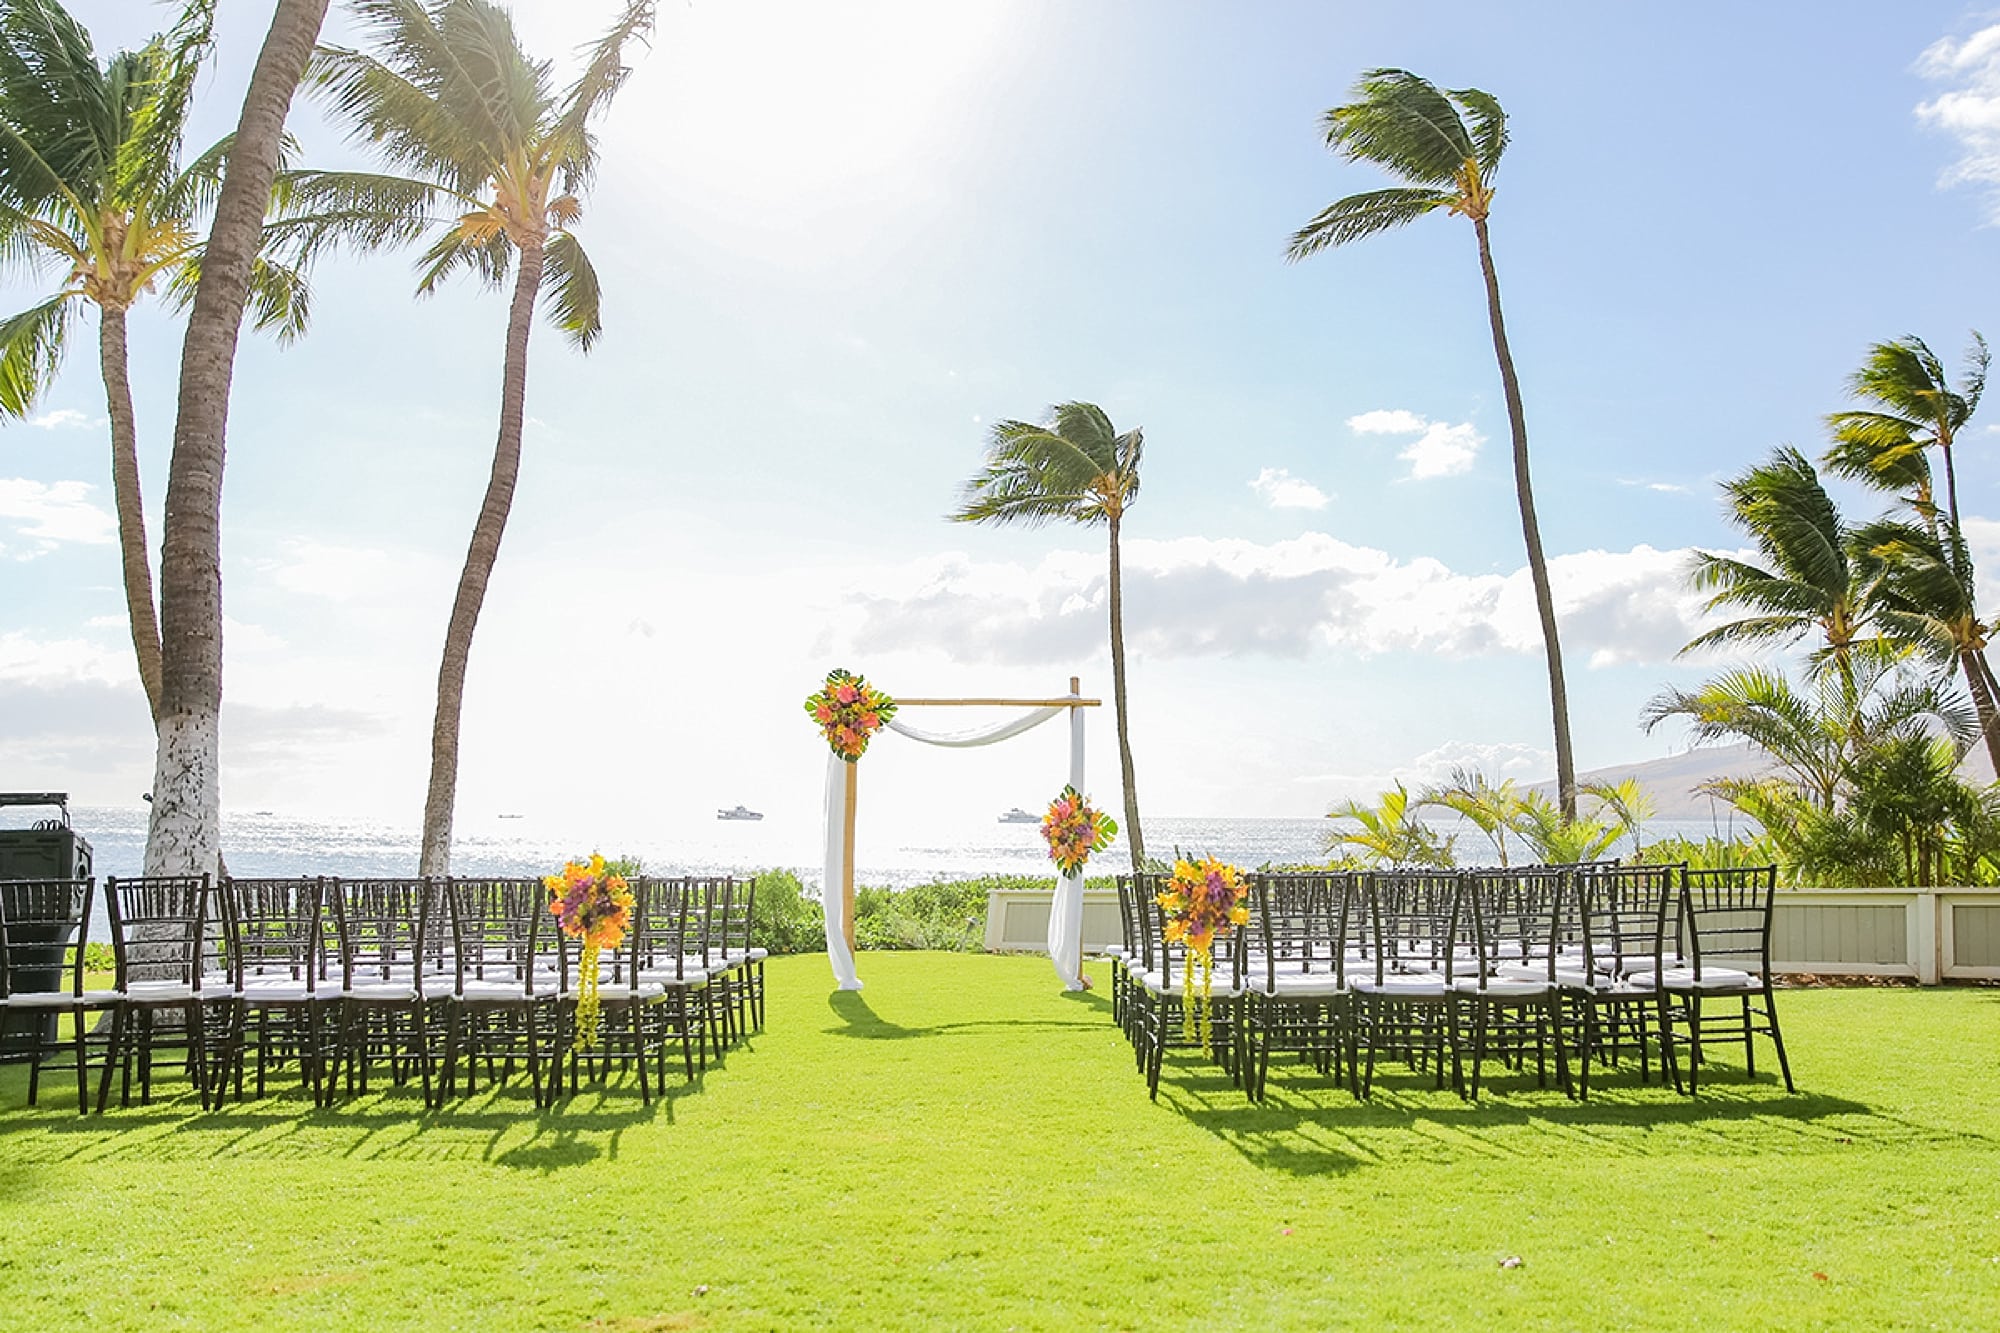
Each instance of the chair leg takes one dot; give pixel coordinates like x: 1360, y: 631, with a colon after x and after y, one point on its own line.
x: 1777, y: 1037
x: 111, y: 1056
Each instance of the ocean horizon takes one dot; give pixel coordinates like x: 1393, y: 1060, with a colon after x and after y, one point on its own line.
x: 263, y: 844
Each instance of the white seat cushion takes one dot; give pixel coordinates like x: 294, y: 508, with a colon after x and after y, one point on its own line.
x: 1501, y: 987
x: 159, y: 992
x: 1711, y: 979
x: 1430, y: 984
x: 379, y: 992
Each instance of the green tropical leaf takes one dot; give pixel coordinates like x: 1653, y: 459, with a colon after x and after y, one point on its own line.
x: 31, y: 348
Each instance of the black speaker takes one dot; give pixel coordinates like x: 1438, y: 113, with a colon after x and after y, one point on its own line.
x: 50, y: 849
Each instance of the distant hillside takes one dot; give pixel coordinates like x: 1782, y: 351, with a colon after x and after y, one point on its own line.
x: 1672, y: 781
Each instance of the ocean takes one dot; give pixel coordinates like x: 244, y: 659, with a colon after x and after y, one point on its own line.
x: 264, y: 844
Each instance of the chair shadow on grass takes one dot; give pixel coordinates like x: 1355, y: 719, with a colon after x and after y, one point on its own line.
x: 859, y: 1021
x: 1308, y: 1126
x: 502, y: 1126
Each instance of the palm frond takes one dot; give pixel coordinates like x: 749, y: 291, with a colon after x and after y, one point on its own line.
x: 604, y: 73
x: 354, y: 210
x: 1489, y: 127
x: 1402, y: 123
x: 1363, y: 215
x: 572, y: 291
x: 490, y: 256
x: 31, y: 351
x: 58, y: 118
x: 150, y: 142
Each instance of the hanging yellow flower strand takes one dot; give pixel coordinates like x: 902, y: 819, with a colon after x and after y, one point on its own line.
x: 1203, y: 901
x: 594, y: 905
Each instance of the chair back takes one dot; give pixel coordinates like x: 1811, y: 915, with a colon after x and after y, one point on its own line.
x: 158, y: 927
x: 1630, y: 921
x: 500, y: 931
x: 1413, y: 920
x: 669, y: 920
x: 389, y: 929
x: 1516, y: 920
x: 273, y: 929
x: 44, y: 925
x: 1727, y: 915
x: 1302, y: 924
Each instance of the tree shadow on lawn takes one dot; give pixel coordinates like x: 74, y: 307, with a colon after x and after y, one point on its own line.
x: 859, y: 1021
x: 1308, y: 1126
x: 386, y: 1124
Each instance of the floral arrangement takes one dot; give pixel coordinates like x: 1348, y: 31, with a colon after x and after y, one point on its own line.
x: 592, y: 903
x: 1073, y: 830
x: 1203, y: 901
x: 849, y: 711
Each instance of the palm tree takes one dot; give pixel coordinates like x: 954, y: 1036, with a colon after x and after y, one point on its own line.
x: 1390, y: 833
x: 1076, y: 468
x: 452, y: 99
x: 185, y: 822
x: 1917, y: 409
x: 1921, y: 596
x: 1809, y: 579
x: 1627, y: 803
x: 1818, y: 736
x: 1888, y: 449
x: 91, y: 179
x: 1556, y: 839
x: 1490, y: 809
x: 1447, y: 146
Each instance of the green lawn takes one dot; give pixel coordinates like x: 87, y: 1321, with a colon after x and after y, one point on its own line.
x: 962, y: 1145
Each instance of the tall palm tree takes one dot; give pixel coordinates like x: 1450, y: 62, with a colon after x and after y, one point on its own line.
x: 1810, y: 579
x: 1916, y: 410
x: 1447, y: 146
x: 91, y: 179
x: 1076, y: 468
x: 450, y: 97
x: 1922, y: 597
x: 1887, y: 447
x: 184, y: 834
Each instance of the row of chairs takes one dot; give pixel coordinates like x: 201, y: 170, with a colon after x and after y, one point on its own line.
x: 1570, y: 965
x: 436, y: 979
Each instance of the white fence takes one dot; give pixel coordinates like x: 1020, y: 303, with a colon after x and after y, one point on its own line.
x: 1932, y: 935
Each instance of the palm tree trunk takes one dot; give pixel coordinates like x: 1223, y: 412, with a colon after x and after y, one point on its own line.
x: 1134, y: 840
x: 1972, y: 662
x: 184, y: 834
x: 139, y: 612
x: 1538, y: 568
x: 434, y: 857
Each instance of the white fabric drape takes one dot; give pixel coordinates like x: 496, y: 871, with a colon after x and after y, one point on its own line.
x: 832, y: 904
x: 962, y: 740
x: 1065, y: 912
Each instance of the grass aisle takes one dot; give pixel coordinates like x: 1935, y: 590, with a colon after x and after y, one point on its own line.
x: 961, y: 1145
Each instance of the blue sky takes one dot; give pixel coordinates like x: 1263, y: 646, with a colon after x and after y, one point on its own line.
x: 839, y: 241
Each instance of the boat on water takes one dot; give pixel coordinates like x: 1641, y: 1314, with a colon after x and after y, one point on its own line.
x: 738, y: 812
x: 1019, y: 816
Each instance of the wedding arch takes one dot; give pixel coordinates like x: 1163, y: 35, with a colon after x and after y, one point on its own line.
x: 1065, y: 940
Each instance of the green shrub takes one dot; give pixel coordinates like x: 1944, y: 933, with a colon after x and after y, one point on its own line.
x: 785, y: 920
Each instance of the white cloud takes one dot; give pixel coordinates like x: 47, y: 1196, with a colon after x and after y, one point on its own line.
x: 1281, y: 490
x: 1209, y: 597
x: 65, y: 418
x: 1441, y: 449
x: 26, y: 661
x: 1386, y: 421
x: 1969, y: 108
x: 55, y: 512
